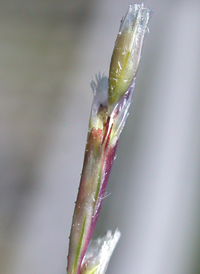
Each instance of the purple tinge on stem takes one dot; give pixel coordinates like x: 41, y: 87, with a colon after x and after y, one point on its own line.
x: 112, y: 99
x: 99, y: 156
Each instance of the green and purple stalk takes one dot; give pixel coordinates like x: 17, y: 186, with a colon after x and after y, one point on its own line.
x: 112, y: 98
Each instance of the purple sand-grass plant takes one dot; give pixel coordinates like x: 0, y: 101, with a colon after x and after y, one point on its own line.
x: 112, y: 98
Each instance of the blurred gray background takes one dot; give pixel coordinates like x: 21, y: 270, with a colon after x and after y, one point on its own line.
x: 49, y: 50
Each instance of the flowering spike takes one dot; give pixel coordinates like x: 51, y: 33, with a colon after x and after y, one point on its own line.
x: 127, y: 51
x: 112, y: 99
x: 99, y: 253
